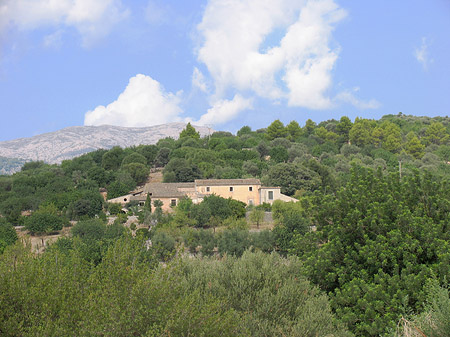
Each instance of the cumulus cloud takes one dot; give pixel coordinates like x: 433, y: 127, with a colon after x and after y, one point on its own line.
x: 422, y: 55
x: 92, y: 18
x: 297, y: 68
x: 348, y: 96
x: 143, y: 103
x: 198, y: 80
x: 224, y: 110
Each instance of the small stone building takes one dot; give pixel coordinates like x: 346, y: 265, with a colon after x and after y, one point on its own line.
x: 248, y: 191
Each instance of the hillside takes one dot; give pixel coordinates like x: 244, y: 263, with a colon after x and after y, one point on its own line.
x: 370, y: 228
x: 54, y: 147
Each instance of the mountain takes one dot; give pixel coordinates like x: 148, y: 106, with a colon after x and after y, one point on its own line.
x: 10, y: 165
x: 54, y: 147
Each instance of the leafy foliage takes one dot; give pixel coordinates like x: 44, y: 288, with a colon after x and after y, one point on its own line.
x: 8, y: 234
x: 128, y: 292
x: 45, y: 219
x: 370, y: 227
x: 189, y: 132
x: 378, y: 241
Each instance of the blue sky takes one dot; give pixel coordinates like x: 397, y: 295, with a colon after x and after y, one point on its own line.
x: 221, y: 63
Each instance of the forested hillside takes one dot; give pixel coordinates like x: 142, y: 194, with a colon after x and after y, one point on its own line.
x: 364, y: 251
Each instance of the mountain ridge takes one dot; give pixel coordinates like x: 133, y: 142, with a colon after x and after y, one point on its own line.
x: 73, y: 141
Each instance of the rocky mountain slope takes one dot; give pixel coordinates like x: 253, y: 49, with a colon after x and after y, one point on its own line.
x: 71, y: 142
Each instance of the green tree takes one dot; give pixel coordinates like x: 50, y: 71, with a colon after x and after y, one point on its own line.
x: 181, y: 170
x: 139, y: 172
x: 134, y: 158
x: 378, y: 241
x: 292, y: 177
x: 149, y: 152
x: 343, y: 127
x: 413, y: 145
x: 387, y: 136
x: 326, y: 135
x: 45, y: 219
x: 89, y: 203
x: 251, y: 168
x: 112, y: 159
x: 361, y: 132
x: 263, y: 149
x: 163, y: 245
x: 148, y: 203
x: 237, y: 208
x: 89, y: 230
x: 8, y: 235
x: 158, y: 213
x: 201, y: 213
x: 436, y: 134
x: 276, y: 130
x: 290, y: 221
x: 279, y: 154
x: 114, y: 208
x: 309, y: 127
x: 245, y: 130
x: 294, y: 130
x: 158, y: 203
x: 162, y: 158
x: 32, y: 165
x: 189, y: 132
x: 256, y: 216
x: 233, y: 242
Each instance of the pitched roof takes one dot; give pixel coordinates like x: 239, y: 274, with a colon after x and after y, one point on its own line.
x: 226, y: 182
x: 166, y: 190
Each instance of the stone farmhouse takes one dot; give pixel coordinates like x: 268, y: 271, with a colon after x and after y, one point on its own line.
x: 248, y: 191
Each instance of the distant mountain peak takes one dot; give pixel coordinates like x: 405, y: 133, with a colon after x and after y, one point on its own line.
x: 70, y: 142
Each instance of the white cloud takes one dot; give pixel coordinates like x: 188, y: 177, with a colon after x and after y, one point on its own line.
x: 224, y: 110
x: 53, y: 40
x: 235, y: 31
x: 92, y: 18
x: 348, y: 96
x: 143, y: 103
x: 422, y: 55
x: 198, y: 80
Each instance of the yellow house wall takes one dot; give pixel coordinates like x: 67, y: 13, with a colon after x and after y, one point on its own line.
x: 240, y: 192
x: 166, y: 204
x: 277, y: 195
x: 265, y: 195
x: 121, y: 200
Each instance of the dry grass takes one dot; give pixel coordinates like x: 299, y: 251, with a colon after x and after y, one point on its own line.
x: 407, y: 328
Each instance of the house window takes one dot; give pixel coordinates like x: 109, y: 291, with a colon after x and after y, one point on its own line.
x: 151, y: 194
x: 207, y: 189
x: 250, y: 201
x: 173, y: 202
x: 124, y: 199
x: 250, y: 188
x: 270, y: 195
x: 231, y: 189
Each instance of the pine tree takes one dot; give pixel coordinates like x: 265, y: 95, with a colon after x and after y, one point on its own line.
x: 190, y: 132
x: 148, y: 203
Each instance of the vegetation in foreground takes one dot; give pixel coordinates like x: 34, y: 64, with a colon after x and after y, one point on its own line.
x: 129, y: 294
x: 368, y: 239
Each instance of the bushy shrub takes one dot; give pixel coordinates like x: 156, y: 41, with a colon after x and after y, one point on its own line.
x: 233, y: 242
x: 8, y: 234
x: 163, y: 245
